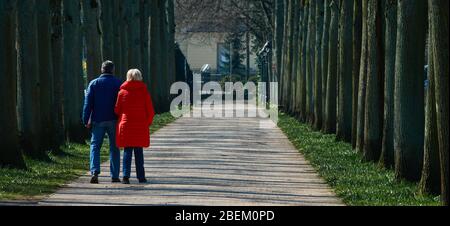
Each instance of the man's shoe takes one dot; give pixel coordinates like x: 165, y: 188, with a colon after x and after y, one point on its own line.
x: 94, y: 179
x: 126, y: 181
x: 116, y: 180
x: 143, y: 181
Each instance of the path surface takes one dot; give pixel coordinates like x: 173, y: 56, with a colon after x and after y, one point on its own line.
x: 193, y: 161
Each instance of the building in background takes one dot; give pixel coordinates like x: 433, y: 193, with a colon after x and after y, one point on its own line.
x: 206, y: 45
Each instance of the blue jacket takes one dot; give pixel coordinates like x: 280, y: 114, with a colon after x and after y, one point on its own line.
x: 100, y: 99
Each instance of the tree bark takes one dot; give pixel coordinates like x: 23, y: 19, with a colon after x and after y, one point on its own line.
x: 298, y: 61
x: 439, y: 43
x: 171, y: 44
x: 279, y: 37
x: 357, y: 39
x: 288, y: 58
x: 28, y: 72
x: 310, y: 56
x: 387, y: 153
x: 10, y: 154
x: 92, y: 35
x: 430, y: 183
x: 155, y: 56
x: 144, y: 17
x: 409, y: 91
x: 45, y: 73
x: 124, y: 21
x: 294, y: 56
x: 73, y: 72
x: 330, y: 107
x: 283, y: 80
x: 302, y: 80
x: 344, y: 112
x: 134, y: 36
x: 324, y: 53
x: 373, y: 134
x: 163, y: 32
x: 117, y: 42
x: 107, y: 30
x: 362, y: 81
x: 57, y: 61
x: 318, y: 66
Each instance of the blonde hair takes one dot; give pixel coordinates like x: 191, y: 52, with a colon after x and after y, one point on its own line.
x: 134, y: 75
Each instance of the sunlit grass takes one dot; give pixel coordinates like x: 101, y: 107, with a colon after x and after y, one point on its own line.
x: 356, y: 182
x: 44, y: 177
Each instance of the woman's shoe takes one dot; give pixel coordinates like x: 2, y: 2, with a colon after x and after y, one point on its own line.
x: 143, y: 181
x: 126, y: 180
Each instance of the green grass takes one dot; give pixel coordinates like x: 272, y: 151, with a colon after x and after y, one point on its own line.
x: 45, y: 177
x: 356, y: 182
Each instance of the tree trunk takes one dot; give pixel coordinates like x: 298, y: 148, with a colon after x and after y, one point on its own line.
x: 73, y: 72
x: 144, y: 17
x: 92, y: 35
x: 296, y: 62
x: 171, y: 44
x: 107, y: 30
x: 288, y: 58
x: 155, y: 56
x: 374, y: 106
x: 430, y: 182
x: 330, y: 107
x: 409, y: 91
x: 124, y: 21
x: 283, y: 80
x: 165, y: 105
x: 344, y: 112
x: 294, y: 56
x: 362, y: 81
x: 10, y: 154
x: 357, y: 36
x: 298, y: 72
x: 310, y: 56
x: 117, y: 42
x: 134, y: 36
x: 28, y: 72
x: 57, y: 61
x: 324, y: 53
x: 45, y: 73
x: 318, y: 65
x: 302, y: 80
x: 279, y: 37
x: 387, y: 153
x: 439, y: 44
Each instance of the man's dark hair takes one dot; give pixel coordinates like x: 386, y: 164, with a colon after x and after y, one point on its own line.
x: 108, y: 67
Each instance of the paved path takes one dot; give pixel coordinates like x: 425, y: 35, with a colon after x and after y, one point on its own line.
x: 212, y: 162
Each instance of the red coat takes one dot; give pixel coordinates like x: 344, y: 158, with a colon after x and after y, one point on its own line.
x: 135, y: 112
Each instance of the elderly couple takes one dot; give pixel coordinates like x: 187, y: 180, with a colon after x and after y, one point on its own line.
x: 124, y: 112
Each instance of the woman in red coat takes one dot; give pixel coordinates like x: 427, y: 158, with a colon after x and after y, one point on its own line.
x: 135, y: 113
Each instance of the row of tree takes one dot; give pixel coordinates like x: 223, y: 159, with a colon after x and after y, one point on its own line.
x: 356, y: 69
x: 44, y: 45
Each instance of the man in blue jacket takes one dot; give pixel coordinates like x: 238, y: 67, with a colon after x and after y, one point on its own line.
x: 99, y: 116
